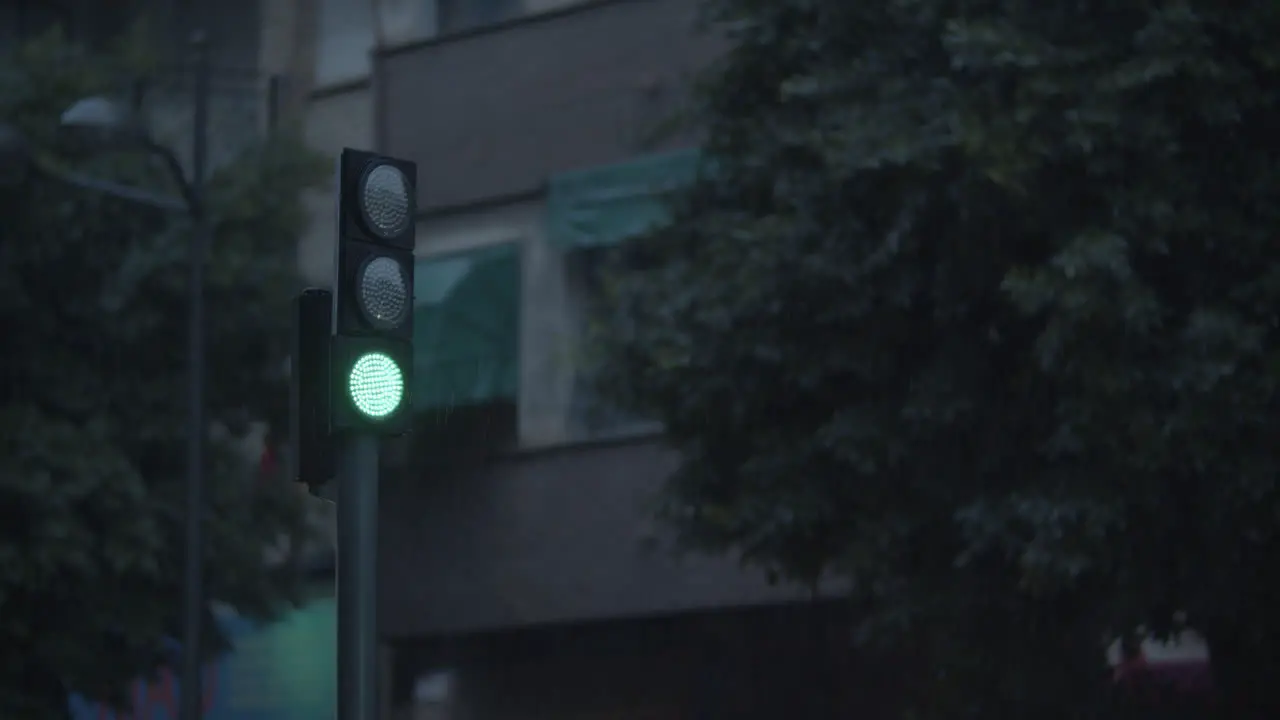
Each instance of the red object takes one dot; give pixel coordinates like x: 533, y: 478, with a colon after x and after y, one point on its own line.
x: 1185, y: 677
x: 268, y: 464
x: 161, y: 698
x: 1132, y: 669
x: 1180, y: 663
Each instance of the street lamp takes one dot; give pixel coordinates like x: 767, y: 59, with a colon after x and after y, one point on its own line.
x: 98, y: 124
x: 104, y: 117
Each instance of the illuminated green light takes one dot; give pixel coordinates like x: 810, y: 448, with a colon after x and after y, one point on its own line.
x: 376, y: 385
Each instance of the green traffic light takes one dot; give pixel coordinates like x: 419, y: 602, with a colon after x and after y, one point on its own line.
x: 376, y: 385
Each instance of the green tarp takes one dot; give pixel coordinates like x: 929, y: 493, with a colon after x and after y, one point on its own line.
x: 466, y: 328
x: 605, y: 205
x: 466, y: 316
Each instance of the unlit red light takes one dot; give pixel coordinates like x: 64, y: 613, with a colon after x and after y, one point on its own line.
x: 384, y: 197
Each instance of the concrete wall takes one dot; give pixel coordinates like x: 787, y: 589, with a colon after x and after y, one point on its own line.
x: 348, y: 30
x: 493, y: 114
x: 488, y: 116
x: 591, y: 81
x: 232, y: 27
x: 333, y: 121
x: 753, y: 664
x: 288, y: 49
x: 529, y: 539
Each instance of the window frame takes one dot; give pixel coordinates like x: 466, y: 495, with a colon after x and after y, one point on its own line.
x: 588, y: 417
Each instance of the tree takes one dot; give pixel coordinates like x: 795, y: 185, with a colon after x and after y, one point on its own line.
x: 974, y: 305
x: 92, y: 405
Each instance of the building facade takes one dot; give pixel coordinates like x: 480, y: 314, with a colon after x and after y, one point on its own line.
x: 521, y: 575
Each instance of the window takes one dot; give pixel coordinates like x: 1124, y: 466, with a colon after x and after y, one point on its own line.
x: 344, y: 41
x: 466, y: 327
x: 589, y: 415
x: 590, y: 213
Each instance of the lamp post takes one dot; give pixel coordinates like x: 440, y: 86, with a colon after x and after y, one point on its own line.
x: 98, y: 123
x: 193, y: 581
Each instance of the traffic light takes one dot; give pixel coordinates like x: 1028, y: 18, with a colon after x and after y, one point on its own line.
x: 371, y: 355
x: 310, y: 448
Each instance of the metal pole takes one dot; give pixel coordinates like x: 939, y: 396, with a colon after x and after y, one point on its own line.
x: 193, y: 602
x: 273, y: 103
x: 357, y: 577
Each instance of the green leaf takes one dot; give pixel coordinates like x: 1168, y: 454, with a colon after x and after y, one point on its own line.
x: 974, y: 307
x: 92, y: 397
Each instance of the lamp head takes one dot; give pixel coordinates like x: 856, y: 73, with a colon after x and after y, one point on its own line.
x: 101, y: 123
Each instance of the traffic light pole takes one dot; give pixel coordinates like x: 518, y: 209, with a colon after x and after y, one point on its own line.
x: 369, y: 370
x: 357, y: 476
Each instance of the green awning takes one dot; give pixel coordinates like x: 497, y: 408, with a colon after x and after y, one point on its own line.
x: 605, y: 205
x: 466, y: 328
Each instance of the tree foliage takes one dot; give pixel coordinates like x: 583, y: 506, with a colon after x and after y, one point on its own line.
x: 976, y: 306
x: 93, y: 404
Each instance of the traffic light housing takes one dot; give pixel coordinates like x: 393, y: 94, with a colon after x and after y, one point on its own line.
x: 310, y: 448
x: 371, y: 353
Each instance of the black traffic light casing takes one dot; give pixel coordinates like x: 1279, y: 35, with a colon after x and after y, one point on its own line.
x: 310, y: 447
x: 360, y: 242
